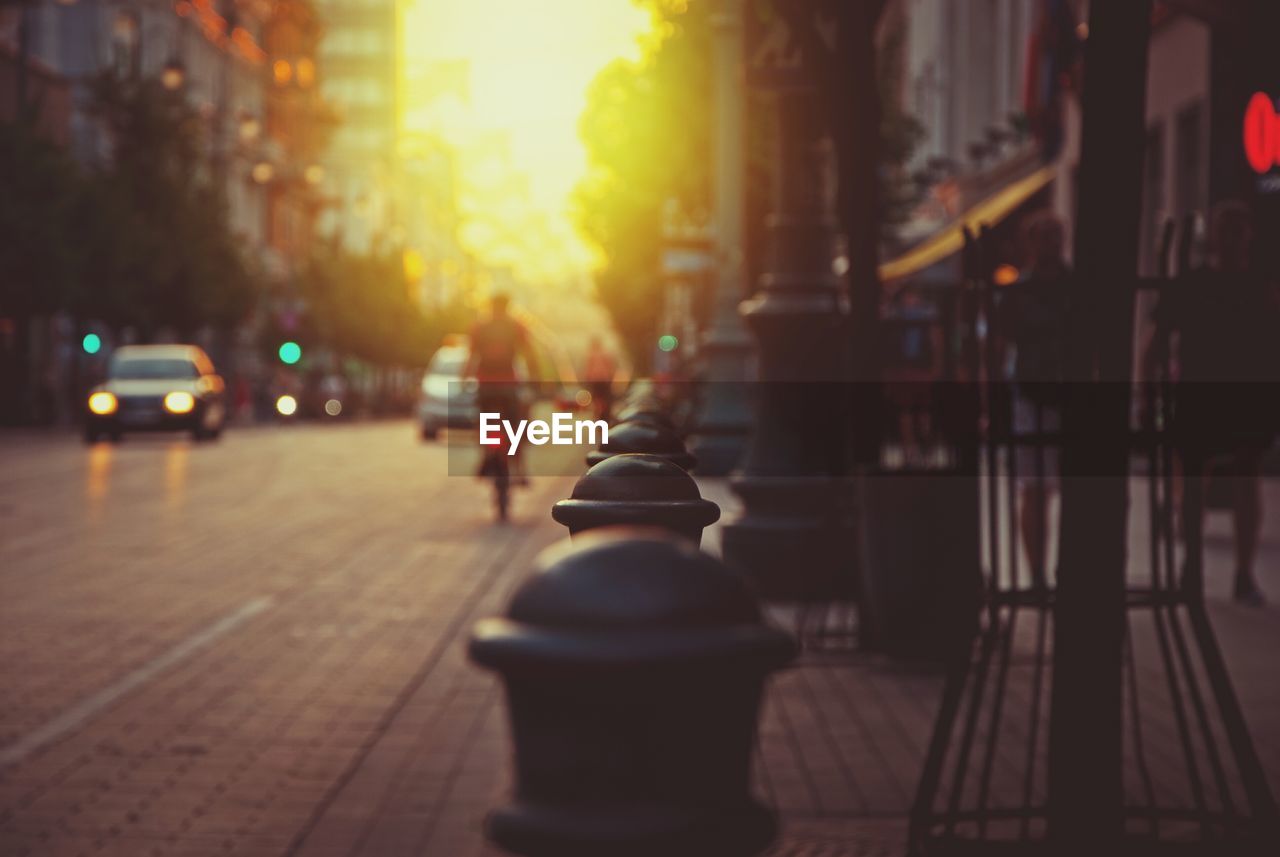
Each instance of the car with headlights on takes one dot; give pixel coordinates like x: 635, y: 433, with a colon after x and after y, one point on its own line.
x: 157, y: 387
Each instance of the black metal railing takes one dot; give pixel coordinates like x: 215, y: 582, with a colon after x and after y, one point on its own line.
x: 1191, y: 770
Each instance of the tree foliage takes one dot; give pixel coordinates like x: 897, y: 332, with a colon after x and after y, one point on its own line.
x: 176, y: 261
x: 140, y: 239
x: 647, y: 130
x: 42, y: 201
x: 359, y: 306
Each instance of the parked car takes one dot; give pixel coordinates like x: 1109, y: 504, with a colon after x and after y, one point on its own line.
x: 157, y: 387
x: 446, y: 399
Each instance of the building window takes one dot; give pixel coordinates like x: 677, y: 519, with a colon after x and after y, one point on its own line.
x: 356, y: 41
x: 357, y: 91
x: 329, y: 5
x: 363, y: 138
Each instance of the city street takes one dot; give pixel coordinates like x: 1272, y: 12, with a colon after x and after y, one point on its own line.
x: 946, y: 329
x: 204, y: 643
x: 256, y: 647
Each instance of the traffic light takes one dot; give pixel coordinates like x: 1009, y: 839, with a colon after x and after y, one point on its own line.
x: 290, y: 352
x: 92, y: 343
x: 668, y: 342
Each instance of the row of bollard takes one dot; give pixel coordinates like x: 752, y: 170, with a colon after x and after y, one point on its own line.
x: 634, y: 667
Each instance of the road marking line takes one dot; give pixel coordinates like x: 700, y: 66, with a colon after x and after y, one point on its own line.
x: 86, y: 708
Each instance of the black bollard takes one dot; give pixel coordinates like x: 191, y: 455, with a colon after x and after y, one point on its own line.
x: 646, y: 412
x: 643, y: 439
x: 637, y: 490
x: 634, y: 668
x: 641, y: 388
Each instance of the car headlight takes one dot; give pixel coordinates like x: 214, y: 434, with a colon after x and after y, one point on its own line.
x: 179, y: 402
x: 103, y: 403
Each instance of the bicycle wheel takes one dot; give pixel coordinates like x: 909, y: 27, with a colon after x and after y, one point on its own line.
x: 502, y: 490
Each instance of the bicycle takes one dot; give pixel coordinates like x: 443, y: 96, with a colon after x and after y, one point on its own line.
x: 496, y: 465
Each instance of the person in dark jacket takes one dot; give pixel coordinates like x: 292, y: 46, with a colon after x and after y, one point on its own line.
x: 1223, y: 325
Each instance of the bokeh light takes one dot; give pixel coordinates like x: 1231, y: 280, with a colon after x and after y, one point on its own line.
x: 1006, y: 275
x: 92, y: 343
x: 179, y: 402
x: 102, y: 404
x: 287, y: 406
x: 306, y: 72
x: 290, y: 352
x: 668, y: 343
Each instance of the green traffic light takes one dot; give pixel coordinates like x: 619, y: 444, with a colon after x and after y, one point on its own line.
x: 290, y: 353
x: 668, y: 343
x: 92, y: 343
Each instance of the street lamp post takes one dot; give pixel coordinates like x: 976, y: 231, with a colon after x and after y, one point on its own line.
x: 793, y: 532
x: 722, y: 421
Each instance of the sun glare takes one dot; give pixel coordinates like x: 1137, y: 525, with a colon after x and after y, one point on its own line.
x: 504, y: 82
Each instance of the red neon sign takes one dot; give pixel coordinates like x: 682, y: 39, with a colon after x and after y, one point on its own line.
x: 1262, y: 133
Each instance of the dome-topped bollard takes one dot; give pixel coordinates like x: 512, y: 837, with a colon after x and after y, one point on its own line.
x: 641, y: 388
x: 648, y: 398
x: 646, y: 412
x: 643, y: 439
x: 637, y: 490
x: 634, y: 668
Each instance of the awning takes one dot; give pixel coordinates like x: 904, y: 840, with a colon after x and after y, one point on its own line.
x: 990, y: 211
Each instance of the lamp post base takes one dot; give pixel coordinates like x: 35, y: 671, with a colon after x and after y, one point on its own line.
x: 795, y: 540
x: 718, y: 453
x: 722, y: 423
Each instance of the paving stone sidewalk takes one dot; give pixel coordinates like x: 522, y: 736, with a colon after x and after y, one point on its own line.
x: 842, y: 742
x: 342, y: 718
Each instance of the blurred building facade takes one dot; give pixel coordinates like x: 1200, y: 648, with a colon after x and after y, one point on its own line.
x: 248, y: 68
x: 298, y: 124
x: 996, y: 87
x: 48, y: 93
x: 212, y: 51
x: 963, y: 79
x: 359, y: 58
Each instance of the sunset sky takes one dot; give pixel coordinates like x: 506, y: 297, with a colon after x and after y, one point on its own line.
x: 514, y: 122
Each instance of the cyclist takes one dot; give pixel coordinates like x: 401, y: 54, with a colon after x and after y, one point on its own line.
x: 496, y: 342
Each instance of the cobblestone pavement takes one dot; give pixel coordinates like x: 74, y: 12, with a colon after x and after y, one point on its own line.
x: 255, y: 647
x: 211, y: 649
